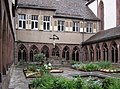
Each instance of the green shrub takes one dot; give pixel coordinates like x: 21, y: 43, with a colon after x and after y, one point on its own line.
x: 111, y: 83
x: 73, y: 62
x: 89, y: 67
x: 104, y: 64
x: 32, y: 67
x: 79, y: 84
x: 39, y: 57
x: 63, y: 83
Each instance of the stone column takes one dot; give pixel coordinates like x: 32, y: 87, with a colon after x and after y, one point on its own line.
x: 110, y: 55
x: 118, y: 47
x: 95, y: 55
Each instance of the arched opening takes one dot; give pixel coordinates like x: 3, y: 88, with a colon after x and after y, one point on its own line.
x: 45, y: 50
x: 105, y: 52
x: 22, y: 53
x: 75, y: 54
x: 65, y: 53
x: 91, y: 54
x: 33, y: 50
x: 55, y: 51
x: 98, y: 54
x: 114, y: 52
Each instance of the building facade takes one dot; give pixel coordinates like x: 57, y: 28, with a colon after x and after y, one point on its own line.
x: 7, y: 39
x: 53, y: 27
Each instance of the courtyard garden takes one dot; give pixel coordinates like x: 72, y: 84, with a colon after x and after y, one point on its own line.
x: 97, y: 75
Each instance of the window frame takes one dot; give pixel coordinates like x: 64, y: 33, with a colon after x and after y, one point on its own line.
x: 22, y: 18
x: 61, y: 25
x: 76, y: 26
x: 89, y: 28
x: 34, y: 20
x: 46, y: 20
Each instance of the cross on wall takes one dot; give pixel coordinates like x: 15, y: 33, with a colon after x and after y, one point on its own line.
x: 54, y: 38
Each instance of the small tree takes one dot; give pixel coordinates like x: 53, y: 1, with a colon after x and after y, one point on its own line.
x: 39, y: 57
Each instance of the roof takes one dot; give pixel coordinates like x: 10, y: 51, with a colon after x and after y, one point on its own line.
x: 65, y: 8
x: 105, y: 35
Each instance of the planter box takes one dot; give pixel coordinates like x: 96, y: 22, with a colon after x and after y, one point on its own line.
x: 31, y: 74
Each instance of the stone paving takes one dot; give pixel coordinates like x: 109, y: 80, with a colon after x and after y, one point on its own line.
x: 18, y: 80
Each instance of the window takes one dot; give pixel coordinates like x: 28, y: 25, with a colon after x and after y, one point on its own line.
x: 60, y: 25
x: 76, y: 26
x: 22, y: 21
x: 34, y: 22
x: 46, y: 23
x: 89, y: 27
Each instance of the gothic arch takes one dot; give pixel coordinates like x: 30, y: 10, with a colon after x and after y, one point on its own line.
x: 33, y: 50
x: 114, y: 52
x: 105, y: 51
x: 22, y: 53
x: 45, y: 50
x: 98, y: 53
x: 66, y: 53
x: 75, y: 54
x: 55, y: 51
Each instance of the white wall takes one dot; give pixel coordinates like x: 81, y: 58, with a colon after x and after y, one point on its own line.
x: 109, y: 12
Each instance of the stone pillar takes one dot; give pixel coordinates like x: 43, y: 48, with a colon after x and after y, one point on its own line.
x: 50, y: 50
x: 60, y: 54
x: 110, y: 55
x: 70, y: 55
x: 89, y: 54
x: 101, y: 54
x: 118, y: 47
x: 95, y: 54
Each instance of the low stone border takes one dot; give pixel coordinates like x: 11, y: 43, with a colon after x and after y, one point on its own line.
x: 102, y: 76
x: 56, y: 71
x: 109, y: 71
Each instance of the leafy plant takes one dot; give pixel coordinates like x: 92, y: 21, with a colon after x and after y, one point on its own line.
x: 89, y: 67
x: 111, y: 83
x: 39, y: 57
x: 104, y: 64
